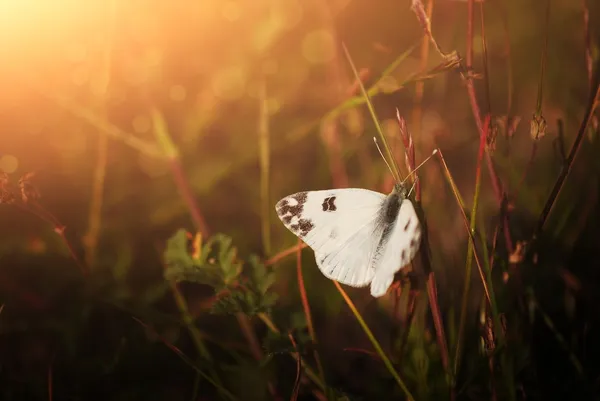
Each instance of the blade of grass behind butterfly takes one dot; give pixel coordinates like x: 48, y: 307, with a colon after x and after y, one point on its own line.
x: 392, y: 162
x: 395, y: 172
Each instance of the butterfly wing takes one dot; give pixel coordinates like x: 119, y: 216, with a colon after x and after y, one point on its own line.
x: 343, y: 228
x: 398, y: 248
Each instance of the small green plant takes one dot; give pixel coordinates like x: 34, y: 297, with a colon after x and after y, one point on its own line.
x: 239, y: 286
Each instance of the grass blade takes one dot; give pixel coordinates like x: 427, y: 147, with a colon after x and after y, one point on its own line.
x: 376, y: 345
x: 394, y: 167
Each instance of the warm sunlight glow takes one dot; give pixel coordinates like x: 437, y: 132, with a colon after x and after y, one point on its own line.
x: 318, y: 46
x: 177, y: 93
x: 141, y: 124
x: 229, y: 83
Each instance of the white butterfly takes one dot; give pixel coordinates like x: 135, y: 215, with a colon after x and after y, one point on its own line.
x: 359, y: 237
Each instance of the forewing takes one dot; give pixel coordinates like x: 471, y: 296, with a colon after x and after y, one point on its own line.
x: 398, y: 250
x: 342, y: 226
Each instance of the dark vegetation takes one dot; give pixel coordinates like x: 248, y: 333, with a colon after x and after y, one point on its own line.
x: 145, y: 144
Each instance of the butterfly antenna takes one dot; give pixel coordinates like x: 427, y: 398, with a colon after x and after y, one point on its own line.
x: 413, y: 187
x: 381, y: 153
x: 419, y: 166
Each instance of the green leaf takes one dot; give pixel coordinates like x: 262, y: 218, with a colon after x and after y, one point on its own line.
x: 217, y: 265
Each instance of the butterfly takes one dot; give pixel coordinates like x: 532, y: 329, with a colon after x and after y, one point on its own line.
x: 359, y: 236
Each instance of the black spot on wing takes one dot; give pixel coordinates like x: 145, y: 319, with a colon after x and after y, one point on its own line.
x: 407, y: 224
x: 287, y: 212
x: 303, y: 227
x: 329, y: 204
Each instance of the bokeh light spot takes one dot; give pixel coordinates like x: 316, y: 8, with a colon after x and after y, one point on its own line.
x: 231, y: 11
x: 9, y: 164
x: 177, y: 93
x: 229, y: 83
x: 267, y: 32
x: 318, y: 46
x: 141, y: 124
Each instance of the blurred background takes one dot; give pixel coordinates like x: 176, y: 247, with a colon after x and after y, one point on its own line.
x: 139, y: 118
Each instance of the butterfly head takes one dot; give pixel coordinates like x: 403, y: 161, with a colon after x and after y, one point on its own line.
x: 401, y: 190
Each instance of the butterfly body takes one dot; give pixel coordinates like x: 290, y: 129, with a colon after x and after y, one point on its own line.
x: 359, y: 237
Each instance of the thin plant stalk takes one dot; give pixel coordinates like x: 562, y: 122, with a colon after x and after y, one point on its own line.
x: 284, y: 254
x: 376, y: 345
x: 394, y: 167
x: 147, y: 148
x: 222, y: 390
x: 538, y: 123
x: 255, y: 348
x: 374, y: 89
x: 95, y: 214
x: 461, y: 205
x: 307, y: 370
x: 417, y: 114
x: 469, y: 259
x: 59, y: 228
x: 559, y: 337
x: 329, y: 129
x: 425, y: 257
x: 560, y: 180
x: 475, y: 110
x: 485, y: 276
x: 307, y: 312
x: 181, y: 181
x: 264, y: 160
x: 296, y: 388
x: 196, y: 337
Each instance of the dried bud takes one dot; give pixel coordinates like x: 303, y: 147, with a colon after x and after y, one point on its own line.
x: 491, y: 135
x: 518, y: 254
x: 28, y: 191
x: 538, y: 127
x: 7, y: 194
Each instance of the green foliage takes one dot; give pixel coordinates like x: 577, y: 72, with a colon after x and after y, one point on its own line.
x: 240, y: 287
